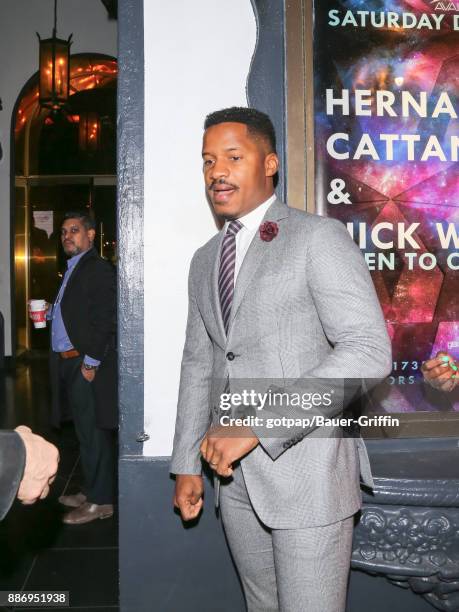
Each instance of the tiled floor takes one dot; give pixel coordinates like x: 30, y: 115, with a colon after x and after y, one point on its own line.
x: 37, y: 551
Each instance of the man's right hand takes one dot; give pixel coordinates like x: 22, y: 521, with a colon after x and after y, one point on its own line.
x: 40, y: 470
x: 188, y: 498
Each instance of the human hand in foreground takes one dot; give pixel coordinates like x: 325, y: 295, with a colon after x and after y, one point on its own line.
x: 188, y: 498
x: 441, y: 372
x: 222, y: 446
x: 42, y: 459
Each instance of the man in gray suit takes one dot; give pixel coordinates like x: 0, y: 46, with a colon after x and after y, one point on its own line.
x: 276, y: 294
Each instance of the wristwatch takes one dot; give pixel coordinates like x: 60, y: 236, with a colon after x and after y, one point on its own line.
x: 89, y: 367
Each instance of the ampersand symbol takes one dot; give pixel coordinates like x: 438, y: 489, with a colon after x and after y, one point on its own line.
x: 336, y: 195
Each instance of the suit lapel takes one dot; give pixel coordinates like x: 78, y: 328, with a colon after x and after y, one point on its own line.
x: 252, y: 260
x: 86, y: 256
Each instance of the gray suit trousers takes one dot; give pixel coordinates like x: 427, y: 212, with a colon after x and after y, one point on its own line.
x: 285, y: 570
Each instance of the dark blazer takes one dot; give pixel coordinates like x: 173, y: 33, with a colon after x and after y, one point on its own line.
x: 88, y: 310
x: 12, y: 462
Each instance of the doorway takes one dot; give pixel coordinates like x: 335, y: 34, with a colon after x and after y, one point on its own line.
x: 62, y: 161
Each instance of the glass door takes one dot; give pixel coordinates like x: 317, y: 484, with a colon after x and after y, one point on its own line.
x: 41, y: 203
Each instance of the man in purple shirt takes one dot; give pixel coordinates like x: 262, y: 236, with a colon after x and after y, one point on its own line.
x: 83, y: 366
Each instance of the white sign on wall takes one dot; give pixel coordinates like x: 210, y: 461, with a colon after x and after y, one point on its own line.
x: 44, y: 220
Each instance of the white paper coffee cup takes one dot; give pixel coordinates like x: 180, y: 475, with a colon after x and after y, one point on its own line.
x: 37, y: 309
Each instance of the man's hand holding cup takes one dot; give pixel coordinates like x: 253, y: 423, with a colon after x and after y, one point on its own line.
x: 38, y: 310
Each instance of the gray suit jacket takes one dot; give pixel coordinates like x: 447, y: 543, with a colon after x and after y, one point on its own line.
x: 304, y: 306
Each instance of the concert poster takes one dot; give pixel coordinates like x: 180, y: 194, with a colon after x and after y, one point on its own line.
x: 386, y: 104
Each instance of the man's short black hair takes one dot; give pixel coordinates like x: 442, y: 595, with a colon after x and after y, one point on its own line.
x: 258, y: 123
x: 83, y: 216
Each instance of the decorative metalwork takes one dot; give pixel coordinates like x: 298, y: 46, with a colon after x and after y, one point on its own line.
x: 413, y: 546
x: 406, y: 539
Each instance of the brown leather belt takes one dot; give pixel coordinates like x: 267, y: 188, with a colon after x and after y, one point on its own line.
x: 69, y: 354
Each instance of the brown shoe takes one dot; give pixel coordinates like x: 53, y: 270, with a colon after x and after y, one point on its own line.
x: 88, y: 512
x: 72, y: 501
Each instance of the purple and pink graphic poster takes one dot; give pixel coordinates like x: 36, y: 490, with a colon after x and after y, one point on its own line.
x: 386, y: 86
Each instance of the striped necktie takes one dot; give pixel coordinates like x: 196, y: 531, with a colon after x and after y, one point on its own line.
x: 226, y: 273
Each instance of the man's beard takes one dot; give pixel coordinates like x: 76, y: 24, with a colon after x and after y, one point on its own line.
x: 74, y: 251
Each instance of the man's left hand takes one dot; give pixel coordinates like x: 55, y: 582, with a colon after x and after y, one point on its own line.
x: 89, y: 375
x: 222, y: 446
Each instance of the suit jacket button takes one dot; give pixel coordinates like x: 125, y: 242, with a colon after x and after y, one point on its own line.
x: 230, y: 356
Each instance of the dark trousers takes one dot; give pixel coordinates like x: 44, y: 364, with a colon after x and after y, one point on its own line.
x: 97, y: 446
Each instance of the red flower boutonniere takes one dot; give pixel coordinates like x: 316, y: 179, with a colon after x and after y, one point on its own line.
x: 268, y: 231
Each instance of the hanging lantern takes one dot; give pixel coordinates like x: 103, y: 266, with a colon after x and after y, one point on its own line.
x: 54, y: 69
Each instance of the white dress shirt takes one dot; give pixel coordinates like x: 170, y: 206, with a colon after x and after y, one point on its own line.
x: 251, y: 223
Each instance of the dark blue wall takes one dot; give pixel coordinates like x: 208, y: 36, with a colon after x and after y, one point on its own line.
x: 165, y: 566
